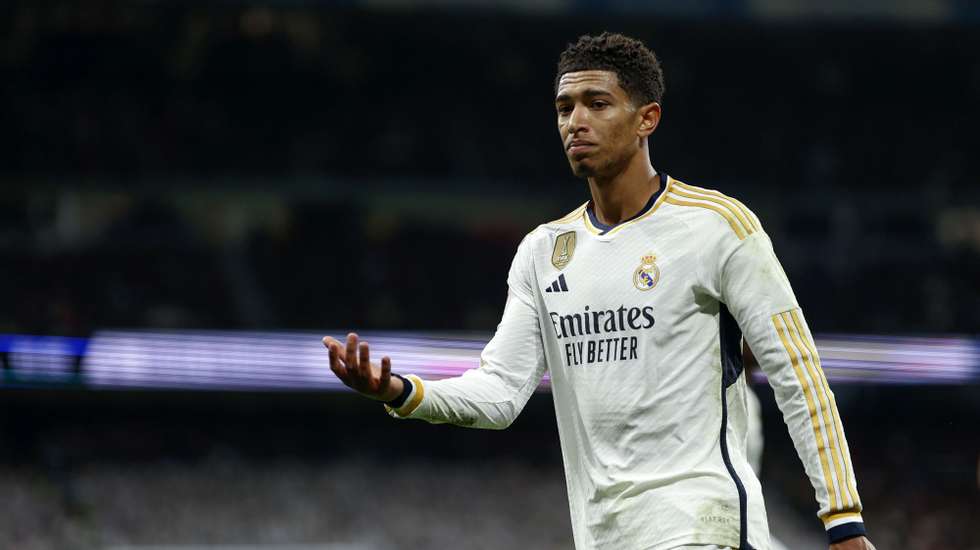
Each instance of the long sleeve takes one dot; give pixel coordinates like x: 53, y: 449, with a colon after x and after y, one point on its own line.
x: 511, y: 366
x: 752, y: 285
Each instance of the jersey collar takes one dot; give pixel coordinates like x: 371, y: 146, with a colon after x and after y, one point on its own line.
x: 595, y: 226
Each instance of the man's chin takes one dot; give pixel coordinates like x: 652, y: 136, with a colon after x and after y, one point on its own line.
x: 582, y: 170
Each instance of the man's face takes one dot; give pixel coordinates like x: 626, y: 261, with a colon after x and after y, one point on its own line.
x: 597, y: 122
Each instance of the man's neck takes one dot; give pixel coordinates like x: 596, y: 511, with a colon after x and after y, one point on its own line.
x: 623, y: 196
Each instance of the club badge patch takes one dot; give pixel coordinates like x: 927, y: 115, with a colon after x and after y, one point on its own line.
x: 648, y: 274
x: 564, y: 248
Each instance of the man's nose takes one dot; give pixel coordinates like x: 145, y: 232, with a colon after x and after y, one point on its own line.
x: 578, y: 120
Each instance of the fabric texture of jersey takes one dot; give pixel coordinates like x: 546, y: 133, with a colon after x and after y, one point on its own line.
x: 639, y: 326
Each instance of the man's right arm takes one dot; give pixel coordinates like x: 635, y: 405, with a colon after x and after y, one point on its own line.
x: 491, y: 396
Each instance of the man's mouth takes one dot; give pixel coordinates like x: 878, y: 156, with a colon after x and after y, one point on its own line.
x: 579, y: 146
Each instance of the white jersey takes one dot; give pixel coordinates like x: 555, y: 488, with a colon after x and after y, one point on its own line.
x: 639, y: 326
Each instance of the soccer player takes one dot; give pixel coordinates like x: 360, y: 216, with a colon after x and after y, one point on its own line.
x: 636, y: 303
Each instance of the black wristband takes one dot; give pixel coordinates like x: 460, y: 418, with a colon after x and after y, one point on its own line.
x: 403, y: 396
x: 845, y: 531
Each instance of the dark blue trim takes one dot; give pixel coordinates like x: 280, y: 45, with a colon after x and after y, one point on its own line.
x: 595, y: 221
x: 731, y: 368
x: 845, y: 531
x: 646, y: 208
x: 731, y: 347
x: 403, y: 396
x: 561, y: 281
x: 743, y: 532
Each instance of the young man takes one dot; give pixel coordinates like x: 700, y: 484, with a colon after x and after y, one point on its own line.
x: 636, y: 303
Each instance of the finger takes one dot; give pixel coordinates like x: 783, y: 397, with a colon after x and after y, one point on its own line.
x: 352, y: 353
x: 332, y: 351
x: 364, y: 364
x: 335, y: 364
x: 330, y: 342
x: 385, y: 375
x: 336, y: 351
x: 340, y: 372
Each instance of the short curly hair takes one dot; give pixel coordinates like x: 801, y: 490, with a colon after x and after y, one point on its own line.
x: 636, y: 65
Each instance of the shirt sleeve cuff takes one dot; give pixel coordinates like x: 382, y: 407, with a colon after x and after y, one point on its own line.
x: 404, y: 395
x: 410, y: 401
x: 843, y: 528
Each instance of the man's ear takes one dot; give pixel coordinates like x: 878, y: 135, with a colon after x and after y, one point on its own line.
x: 649, y: 119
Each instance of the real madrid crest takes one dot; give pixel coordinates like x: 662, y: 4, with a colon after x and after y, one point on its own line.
x: 564, y: 248
x: 648, y: 274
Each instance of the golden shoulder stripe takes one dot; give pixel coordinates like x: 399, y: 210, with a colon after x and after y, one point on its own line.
x: 811, y: 408
x: 838, y: 427
x: 746, y: 223
x: 745, y: 211
x: 723, y: 212
x: 834, y: 445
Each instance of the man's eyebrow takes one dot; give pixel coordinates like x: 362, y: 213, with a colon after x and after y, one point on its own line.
x: 593, y: 92
x: 588, y: 93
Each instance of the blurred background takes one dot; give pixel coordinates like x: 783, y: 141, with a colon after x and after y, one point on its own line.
x: 194, y: 192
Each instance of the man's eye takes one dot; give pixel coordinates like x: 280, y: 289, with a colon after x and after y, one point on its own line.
x: 564, y: 110
x: 599, y: 104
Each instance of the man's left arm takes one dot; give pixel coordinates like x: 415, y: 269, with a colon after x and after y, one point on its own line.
x: 754, y: 288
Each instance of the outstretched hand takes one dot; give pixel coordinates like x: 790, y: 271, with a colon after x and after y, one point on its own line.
x: 352, y: 364
x: 857, y: 543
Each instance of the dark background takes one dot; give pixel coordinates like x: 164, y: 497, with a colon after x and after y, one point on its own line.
x: 317, y: 166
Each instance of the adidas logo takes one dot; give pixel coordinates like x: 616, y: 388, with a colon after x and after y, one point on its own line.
x: 559, y: 285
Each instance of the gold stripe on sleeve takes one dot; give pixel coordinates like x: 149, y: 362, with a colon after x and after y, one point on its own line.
x: 838, y: 427
x: 841, y: 515
x: 737, y: 203
x: 721, y: 211
x: 834, y: 446
x: 416, y: 400
x: 746, y: 225
x: 814, y: 420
